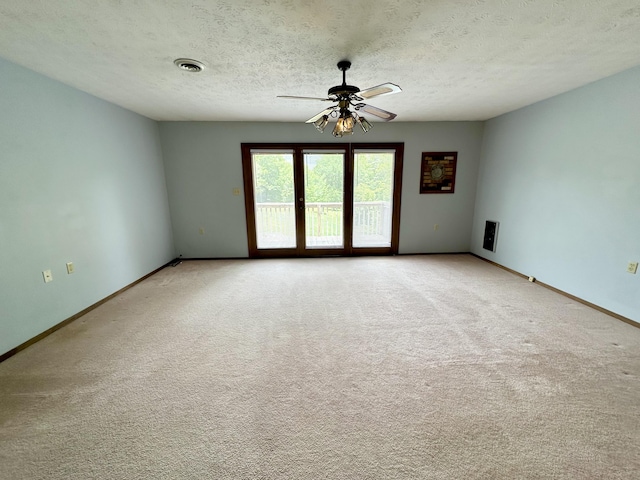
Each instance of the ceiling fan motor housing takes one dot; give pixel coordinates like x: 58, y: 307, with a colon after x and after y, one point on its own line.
x: 340, y: 90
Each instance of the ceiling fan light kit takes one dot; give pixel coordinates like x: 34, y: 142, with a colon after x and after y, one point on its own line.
x: 344, y: 125
x: 321, y: 123
x: 347, y: 97
x: 364, y: 124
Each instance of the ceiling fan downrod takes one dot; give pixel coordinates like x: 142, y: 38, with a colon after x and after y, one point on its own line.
x: 343, y: 90
x: 343, y: 66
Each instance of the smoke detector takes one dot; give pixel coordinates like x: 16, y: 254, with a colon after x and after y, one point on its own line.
x: 189, y: 65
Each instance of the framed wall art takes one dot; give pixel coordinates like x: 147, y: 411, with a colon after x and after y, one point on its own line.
x: 438, y: 173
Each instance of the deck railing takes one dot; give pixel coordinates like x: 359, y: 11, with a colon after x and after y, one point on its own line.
x: 324, y: 219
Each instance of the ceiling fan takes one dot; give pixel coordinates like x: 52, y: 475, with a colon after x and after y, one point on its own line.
x: 348, y: 96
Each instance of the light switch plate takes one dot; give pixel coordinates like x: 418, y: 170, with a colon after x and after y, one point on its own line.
x: 70, y: 268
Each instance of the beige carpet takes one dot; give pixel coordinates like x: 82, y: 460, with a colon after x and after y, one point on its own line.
x: 416, y: 367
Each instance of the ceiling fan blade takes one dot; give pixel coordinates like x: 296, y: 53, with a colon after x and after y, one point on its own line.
x: 306, y: 98
x: 378, y: 112
x: 326, y: 111
x: 379, y: 90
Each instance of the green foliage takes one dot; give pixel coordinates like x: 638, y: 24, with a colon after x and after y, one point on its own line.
x: 273, y: 177
x: 324, y: 178
x: 373, y: 175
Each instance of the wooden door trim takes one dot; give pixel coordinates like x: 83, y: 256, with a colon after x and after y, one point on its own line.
x: 249, y: 200
x: 301, y: 249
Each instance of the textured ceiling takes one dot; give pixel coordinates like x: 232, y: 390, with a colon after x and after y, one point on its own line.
x: 454, y: 59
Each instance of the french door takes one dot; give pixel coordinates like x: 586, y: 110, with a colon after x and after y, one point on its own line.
x: 326, y: 199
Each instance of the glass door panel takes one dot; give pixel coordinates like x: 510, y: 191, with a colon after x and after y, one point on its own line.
x: 372, y: 198
x: 324, y: 199
x: 273, y: 192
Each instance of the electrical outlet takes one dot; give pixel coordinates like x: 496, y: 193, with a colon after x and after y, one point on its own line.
x: 236, y: 191
x: 201, y: 231
x: 48, y: 276
x: 70, y: 268
x: 632, y: 267
x: 532, y: 279
x: 436, y: 227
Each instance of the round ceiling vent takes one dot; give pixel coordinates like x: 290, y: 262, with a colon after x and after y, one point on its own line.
x: 189, y: 65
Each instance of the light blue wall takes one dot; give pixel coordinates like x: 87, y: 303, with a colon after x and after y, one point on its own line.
x: 81, y: 181
x: 563, y: 179
x: 203, y: 165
